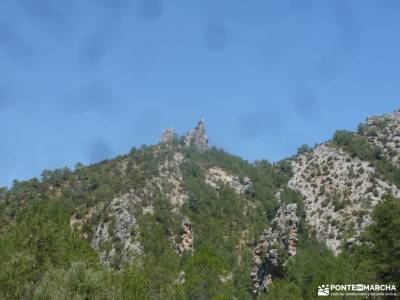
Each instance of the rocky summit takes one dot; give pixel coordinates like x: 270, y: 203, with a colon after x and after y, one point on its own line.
x: 183, y: 220
x: 168, y: 137
x: 197, y: 137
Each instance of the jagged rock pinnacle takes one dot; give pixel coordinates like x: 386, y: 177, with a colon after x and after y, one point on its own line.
x: 168, y: 136
x: 197, y: 137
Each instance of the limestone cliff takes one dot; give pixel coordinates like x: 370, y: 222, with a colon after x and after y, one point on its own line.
x: 276, y: 243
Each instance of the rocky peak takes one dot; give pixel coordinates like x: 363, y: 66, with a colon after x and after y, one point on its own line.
x: 197, y: 137
x: 168, y: 136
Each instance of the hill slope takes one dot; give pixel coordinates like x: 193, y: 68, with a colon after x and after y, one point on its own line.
x: 181, y: 221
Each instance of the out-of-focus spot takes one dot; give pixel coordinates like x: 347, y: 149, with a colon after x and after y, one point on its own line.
x: 149, y: 10
x: 349, y: 33
x: 48, y: 16
x: 216, y: 36
x: 14, y: 45
x: 94, y: 97
x: 4, y: 101
x: 97, y: 44
x: 111, y: 4
x: 93, y: 50
x: 327, y: 69
x: 257, y: 123
x: 98, y: 150
x: 305, y: 103
x: 304, y: 9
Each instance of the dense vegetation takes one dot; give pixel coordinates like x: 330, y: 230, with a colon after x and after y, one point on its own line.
x: 358, y: 146
x: 43, y: 257
x: 376, y: 260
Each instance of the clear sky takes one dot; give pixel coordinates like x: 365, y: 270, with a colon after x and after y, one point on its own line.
x: 85, y: 80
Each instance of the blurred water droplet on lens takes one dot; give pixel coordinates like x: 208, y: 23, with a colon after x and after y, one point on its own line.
x: 98, y: 150
x: 13, y: 44
x: 4, y: 101
x: 92, y: 52
x: 150, y: 10
x: 257, y: 123
x: 305, y: 103
x: 216, y: 36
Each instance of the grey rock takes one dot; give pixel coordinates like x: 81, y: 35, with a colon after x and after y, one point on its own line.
x: 282, y: 234
x: 187, y: 237
x: 169, y: 136
x: 354, y: 241
x: 215, y: 176
x: 328, y: 172
x: 197, y: 137
x: 181, y: 278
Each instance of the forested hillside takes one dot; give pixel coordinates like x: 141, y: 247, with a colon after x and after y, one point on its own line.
x: 180, y: 220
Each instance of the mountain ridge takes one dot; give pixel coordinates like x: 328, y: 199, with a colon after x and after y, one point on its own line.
x: 175, y: 208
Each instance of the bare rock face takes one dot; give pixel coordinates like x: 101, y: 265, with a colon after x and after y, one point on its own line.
x: 119, y: 231
x: 168, y: 137
x: 384, y: 132
x: 280, y: 237
x: 197, y: 137
x: 170, y: 172
x: 187, y: 237
x: 216, y: 175
x: 339, y: 193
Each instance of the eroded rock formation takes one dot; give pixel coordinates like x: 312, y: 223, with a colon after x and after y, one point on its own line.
x: 119, y: 230
x: 275, y: 244
x: 339, y: 193
x: 187, y: 237
x: 215, y: 176
x: 197, y: 137
x: 169, y: 136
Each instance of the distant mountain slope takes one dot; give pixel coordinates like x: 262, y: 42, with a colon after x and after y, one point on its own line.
x: 181, y: 220
x: 342, y: 180
x: 176, y: 199
x: 384, y: 132
x: 339, y: 192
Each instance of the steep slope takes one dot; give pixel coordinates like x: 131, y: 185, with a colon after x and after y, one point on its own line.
x: 340, y: 183
x: 177, y: 201
x: 384, y: 132
x: 182, y: 220
x: 339, y: 193
x: 344, y: 179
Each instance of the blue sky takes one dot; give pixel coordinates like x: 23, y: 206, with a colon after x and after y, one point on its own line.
x: 85, y: 80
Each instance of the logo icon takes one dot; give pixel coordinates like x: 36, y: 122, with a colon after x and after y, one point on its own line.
x: 323, y: 290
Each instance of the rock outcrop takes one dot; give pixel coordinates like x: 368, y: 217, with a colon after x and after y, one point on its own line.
x: 170, y: 174
x: 197, y: 137
x: 384, y: 132
x: 339, y: 193
x: 215, y: 176
x: 116, y: 236
x: 275, y: 244
x: 187, y: 237
x: 169, y: 136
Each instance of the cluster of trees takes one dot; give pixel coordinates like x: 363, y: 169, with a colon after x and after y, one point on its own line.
x: 375, y: 261
x: 43, y: 258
